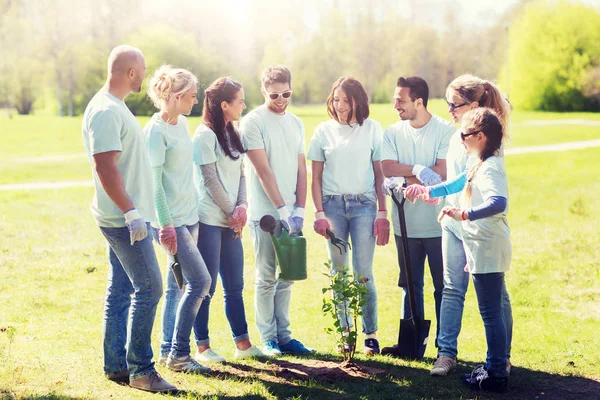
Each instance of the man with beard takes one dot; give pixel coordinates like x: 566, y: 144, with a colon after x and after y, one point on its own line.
x: 274, y: 140
x: 122, y: 206
x: 414, y: 150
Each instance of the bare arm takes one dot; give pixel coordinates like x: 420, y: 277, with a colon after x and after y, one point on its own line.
x: 378, y: 182
x: 440, y: 168
x: 259, y: 160
x: 105, y: 165
x: 301, y: 183
x: 316, y: 186
x: 394, y: 168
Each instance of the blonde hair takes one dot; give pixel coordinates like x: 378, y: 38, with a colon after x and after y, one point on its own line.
x: 472, y: 89
x: 486, y: 120
x: 167, y: 82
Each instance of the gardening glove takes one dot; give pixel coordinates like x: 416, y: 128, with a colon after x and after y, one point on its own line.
x: 426, y: 175
x: 321, y: 224
x: 168, y: 238
x: 297, y: 220
x: 381, y: 228
x: 392, y: 184
x: 414, y: 192
x: 284, y: 217
x: 238, y: 219
x: 136, y: 225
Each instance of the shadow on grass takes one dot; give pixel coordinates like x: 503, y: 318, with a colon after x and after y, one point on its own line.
x: 304, y: 378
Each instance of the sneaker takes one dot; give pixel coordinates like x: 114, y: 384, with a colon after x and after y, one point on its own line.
x: 295, y: 347
x: 119, y: 377
x: 152, y: 383
x: 443, y: 365
x: 186, y: 364
x: 371, y: 347
x: 209, y: 355
x: 162, y: 360
x: 271, y: 349
x: 482, y: 380
x: 250, y: 352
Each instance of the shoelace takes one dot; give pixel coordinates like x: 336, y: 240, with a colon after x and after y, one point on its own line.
x: 477, y: 371
x: 195, y: 366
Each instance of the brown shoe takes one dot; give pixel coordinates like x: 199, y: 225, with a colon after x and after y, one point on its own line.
x: 152, y: 383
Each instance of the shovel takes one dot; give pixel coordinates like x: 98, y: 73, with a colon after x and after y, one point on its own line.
x: 414, y: 332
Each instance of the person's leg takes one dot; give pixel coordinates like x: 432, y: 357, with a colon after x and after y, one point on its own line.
x: 198, y: 285
x: 141, y: 266
x: 116, y: 313
x: 281, y: 308
x: 433, y: 249
x: 489, y: 296
x: 209, y: 245
x: 335, y: 211
x: 231, y: 269
x: 266, y: 280
x: 456, y: 282
x: 362, y: 218
x: 416, y: 250
x: 508, y: 319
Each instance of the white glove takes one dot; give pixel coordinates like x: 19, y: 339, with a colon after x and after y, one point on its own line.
x: 136, y: 225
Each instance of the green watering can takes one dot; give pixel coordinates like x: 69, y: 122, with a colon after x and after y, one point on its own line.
x: 290, y: 250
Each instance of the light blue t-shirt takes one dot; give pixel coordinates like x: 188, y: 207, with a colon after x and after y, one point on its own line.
x: 207, y: 150
x: 170, y: 146
x: 108, y: 125
x: 348, y: 153
x: 282, y: 137
x: 407, y: 145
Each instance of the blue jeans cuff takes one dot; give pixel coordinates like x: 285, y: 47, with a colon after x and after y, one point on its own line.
x: 241, y: 338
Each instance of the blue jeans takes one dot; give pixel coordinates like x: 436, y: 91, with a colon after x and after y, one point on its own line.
x: 272, y: 296
x: 133, y: 271
x: 354, y: 215
x: 489, y: 289
x: 179, y: 316
x: 223, y: 255
x: 418, y: 250
x: 456, y: 283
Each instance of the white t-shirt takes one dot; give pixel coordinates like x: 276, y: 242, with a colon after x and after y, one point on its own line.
x: 348, y: 153
x: 407, y: 145
x: 108, y: 125
x: 282, y: 138
x: 207, y: 150
x: 487, y: 240
x: 170, y: 147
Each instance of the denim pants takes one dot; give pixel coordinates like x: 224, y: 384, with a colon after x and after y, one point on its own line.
x: 488, y: 288
x: 223, y: 255
x: 418, y: 250
x: 353, y: 216
x: 272, y: 296
x: 179, y: 315
x: 456, y: 283
x: 128, y: 321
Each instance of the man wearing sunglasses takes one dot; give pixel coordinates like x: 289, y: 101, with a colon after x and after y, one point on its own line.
x: 274, y: 140
x: 414, y: 150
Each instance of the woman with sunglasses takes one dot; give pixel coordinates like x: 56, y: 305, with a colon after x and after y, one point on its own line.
x: 481, y: 212
x: 346, y: 188
x: 221, y: 186
x: 465, y: 93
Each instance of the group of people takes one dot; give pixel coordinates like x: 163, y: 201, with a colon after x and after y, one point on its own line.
x: 194, y: 196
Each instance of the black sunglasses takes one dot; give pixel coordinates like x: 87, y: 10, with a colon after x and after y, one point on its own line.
x: 463, y: 136
x: 453, y: 106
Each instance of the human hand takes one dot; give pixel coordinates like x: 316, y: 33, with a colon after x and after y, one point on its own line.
x: 136, y: 225
x: 392, y: 184
x: 414, y: 192
x: 168, y: 238
x: 321, y: 224
x: 297, y: 220
x: 426, y: 175
x: 381, y: 228
x: 452, y: 212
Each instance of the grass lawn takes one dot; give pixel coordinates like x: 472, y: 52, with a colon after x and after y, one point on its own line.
x: 53, y: 270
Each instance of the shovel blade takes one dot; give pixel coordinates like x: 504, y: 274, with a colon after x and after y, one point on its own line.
x: 412, y: 339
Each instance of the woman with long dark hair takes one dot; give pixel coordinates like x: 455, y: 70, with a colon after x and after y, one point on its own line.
x: 221, y: 188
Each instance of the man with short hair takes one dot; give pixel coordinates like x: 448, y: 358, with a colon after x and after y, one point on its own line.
x: 414, y: 150
x: 274, y: 140
x: 122, y: 205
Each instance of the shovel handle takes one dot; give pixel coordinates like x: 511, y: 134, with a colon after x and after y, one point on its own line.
x: 176, y: 269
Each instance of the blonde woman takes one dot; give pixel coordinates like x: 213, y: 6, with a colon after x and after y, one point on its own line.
x: 173, y: 92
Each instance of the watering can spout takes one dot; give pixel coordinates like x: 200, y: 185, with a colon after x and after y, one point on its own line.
x: 290, y: 250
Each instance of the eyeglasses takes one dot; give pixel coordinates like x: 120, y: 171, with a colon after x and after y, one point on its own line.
x: 275, y: 96
x: 454, y: 107
x: 463, y: 136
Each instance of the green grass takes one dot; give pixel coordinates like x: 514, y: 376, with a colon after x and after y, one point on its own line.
x: 53, y: 270
x: 45, y: 148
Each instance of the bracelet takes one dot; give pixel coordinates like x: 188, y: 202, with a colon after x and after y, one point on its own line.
x: 463, y: 216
